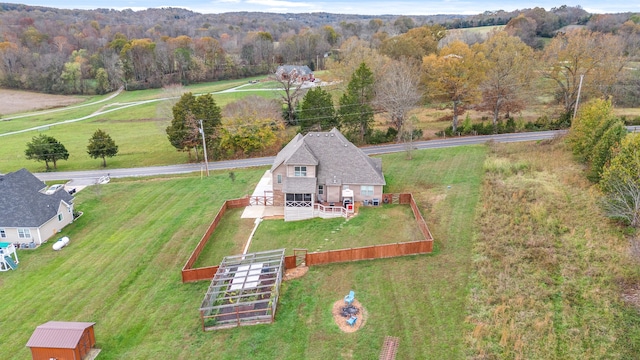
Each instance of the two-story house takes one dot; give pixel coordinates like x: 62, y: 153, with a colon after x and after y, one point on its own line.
x: 324, y: 169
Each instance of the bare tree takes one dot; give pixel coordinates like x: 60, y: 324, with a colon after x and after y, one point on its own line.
x: 397, y: 91
x: 288, y: 77
x: 623, y: 200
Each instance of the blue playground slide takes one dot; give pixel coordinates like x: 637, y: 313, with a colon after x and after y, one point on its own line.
x: 11, y: 263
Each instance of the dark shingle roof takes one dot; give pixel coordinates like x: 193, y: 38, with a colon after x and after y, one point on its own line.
x: 336, y: 157
x: 23, y: 205
x: 58, y: 334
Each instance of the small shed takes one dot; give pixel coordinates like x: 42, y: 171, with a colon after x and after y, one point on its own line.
x: 62, y: 340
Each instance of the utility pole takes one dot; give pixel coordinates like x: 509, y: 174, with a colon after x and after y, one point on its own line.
x: 204, y: 147
x: 575, y: 110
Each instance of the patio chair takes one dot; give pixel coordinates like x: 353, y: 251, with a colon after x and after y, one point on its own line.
x: 349, y: 298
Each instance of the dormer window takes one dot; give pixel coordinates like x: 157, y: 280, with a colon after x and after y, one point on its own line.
x: 300, y: 171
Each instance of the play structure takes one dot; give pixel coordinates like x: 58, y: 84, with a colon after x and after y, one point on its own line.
x: 62, y: 242
x: 8, y: 257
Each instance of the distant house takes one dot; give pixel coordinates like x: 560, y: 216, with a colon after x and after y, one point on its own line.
x: 295, y: 72
x: 324, y: 169
x: 63, y: 340
x: 27, y: 214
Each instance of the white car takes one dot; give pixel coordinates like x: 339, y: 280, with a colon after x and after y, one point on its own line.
x: 53, y: 188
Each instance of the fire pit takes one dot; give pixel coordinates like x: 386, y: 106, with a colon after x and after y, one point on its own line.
x: 349, y: 311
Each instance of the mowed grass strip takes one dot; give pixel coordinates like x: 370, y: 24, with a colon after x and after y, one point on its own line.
x: 371, y: 226
x: 548, y: 266
x: 122, y: 270
x: 229, y: 238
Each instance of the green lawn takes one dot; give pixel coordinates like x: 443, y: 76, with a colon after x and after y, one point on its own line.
x: 122, y: 270
x: 372, y: 226
x: 229, y: 239
x: 139, y: 131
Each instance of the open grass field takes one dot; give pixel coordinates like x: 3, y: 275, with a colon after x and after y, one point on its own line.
x: 524, y: 267
x: 122, y: 270
x: 139, y: 131
x: 549, y: 271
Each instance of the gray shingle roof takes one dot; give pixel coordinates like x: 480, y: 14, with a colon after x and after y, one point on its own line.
x: 300, y: 69
x: 23, y: 205
x: 335, y: 156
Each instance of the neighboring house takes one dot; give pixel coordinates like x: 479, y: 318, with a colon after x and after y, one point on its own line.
x: 27, y: 214
x: 324, y: 169
x: 295, y: 72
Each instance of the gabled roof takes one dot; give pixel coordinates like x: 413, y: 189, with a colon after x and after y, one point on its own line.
x: 336, y: 159
x: 58, y: 334
x: 23, y: 205
x: 300, y: 69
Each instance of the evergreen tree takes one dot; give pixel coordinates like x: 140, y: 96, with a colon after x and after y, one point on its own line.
x: 317, y: 112
x: 101, y: 145
x: 356, y: 113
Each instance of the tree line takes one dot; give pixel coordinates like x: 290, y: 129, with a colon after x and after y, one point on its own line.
x: 96, y: 51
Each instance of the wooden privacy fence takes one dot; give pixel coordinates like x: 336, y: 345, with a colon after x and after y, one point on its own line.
x: 188, y: 273
x: 369, y: 252
x: 425, y: 246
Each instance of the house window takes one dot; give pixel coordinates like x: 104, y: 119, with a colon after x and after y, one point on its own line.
x: 24, y: 233
x: 366, y: 190
x: 320, y: 189
x: 279, y: 178
x: 300, y: 171
x: 3, y: 234
x: 60, y: 217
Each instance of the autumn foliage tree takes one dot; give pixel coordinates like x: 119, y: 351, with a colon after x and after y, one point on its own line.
x: 453, y: 77
x: 594, y: 56
x: 251, y: 126
x: 621, y: 182
x: 509, y: 72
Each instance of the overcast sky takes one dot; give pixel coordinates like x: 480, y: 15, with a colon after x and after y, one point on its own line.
x: 429, y: 7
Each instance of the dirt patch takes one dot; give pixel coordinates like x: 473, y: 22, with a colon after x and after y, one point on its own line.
x: 15, y: 101
x: 341, y: 321
x: 295, y: 272
x: 631, y: 295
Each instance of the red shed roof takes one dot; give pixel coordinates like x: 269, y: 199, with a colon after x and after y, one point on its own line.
x: 58, y: 334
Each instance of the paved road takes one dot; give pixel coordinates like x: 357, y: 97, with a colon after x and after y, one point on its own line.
x: 81, y: 178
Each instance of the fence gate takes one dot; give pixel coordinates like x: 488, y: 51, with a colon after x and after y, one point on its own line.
x: 301, y: 256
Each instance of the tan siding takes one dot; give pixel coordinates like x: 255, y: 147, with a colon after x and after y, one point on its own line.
x: 311, y: 170
x: 53, y: 226
x: 333, y: 193
x: 12, y: 236
x: 280, y: 170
